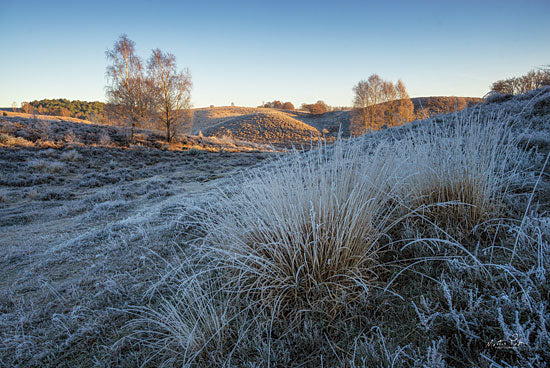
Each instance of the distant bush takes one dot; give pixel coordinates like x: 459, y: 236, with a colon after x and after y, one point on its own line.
x: 320, y: 107
x: 4, y: 138
x: 104, y: 139
x: 193, y: 152
x: 288, y: 106
x: 70, y: 137
x: 71, y: 155
x: 44, y: 128
x: 426, y: 107
x: 279, y: 105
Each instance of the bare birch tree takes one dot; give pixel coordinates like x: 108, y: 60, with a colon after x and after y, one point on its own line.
x: 129, y: 91
x: 368, y: 94
x: 172, y: 91
x: 405, y: 107
x: 534, y: 79
x: 379, y: 103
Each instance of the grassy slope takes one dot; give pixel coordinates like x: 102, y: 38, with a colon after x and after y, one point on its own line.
x: 415, y: 246
x: 78, y: 226
x: 242, y: 124
x: 84, y: 236
x: 265, y: 125
x: 270, y: 127
x: 27, y: 130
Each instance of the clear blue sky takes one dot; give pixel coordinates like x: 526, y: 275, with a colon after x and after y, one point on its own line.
x: 247, y: 52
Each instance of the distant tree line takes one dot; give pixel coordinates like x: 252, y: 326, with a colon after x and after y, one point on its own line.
x: 279, y: 105
x: 152, y: 93
x: 320, y: 107
x: 94, y: 110
x: 534, y: 79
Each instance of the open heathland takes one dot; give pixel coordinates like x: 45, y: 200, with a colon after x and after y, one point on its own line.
x: 425, y: 245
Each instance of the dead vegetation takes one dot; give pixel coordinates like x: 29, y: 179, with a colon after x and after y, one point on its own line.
x: 371, y: 253
x: 48, y: 132
x: 77, y: 226
x: 419, y: 246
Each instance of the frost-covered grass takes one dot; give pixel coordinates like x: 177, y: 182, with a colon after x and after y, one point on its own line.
x: 460, y: 171
x: 307, y: 231
x: 367, y: 253
x: 75, y: 245
x: 416, y: 247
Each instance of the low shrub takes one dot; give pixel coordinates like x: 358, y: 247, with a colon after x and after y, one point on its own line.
x: 71, y: 156
x: 104, y: 139
x: 4, y: 138
x: 497, y: 97
x: 46, y: 166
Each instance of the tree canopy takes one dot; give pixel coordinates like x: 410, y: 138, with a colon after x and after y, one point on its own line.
x: 74, y: 108
x: 534, y: 79
x: 378, y: 103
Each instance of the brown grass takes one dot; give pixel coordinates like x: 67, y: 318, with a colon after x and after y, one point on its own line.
x: 34, y: 132
x: 266, y: 127
x: 456, y: 207
x: 46, y: 117
x: 306, y: 235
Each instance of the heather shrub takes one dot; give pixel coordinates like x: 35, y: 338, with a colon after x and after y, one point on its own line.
x: 70, y: 137
x: 71, y: 155
x: 193, y: 152
x: 44, y: 128
x: 104, y: 139
x: 4, y: 138
x: 46, y: 165
x: 8, y: 140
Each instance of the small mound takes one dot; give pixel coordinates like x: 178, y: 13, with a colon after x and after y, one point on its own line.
x: 266, y: 127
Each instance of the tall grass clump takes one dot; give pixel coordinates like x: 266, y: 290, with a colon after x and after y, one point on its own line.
x: 368, y: 253
x: 460, y: 171
x: 188, y: 326
x: 305, y: 232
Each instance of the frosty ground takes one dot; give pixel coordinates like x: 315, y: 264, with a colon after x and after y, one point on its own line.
x: 78, y: 229
x: 131, y: 257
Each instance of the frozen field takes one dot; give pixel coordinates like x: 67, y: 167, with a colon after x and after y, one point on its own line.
x: 419, y: 246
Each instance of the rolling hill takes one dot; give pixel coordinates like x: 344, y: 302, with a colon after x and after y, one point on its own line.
x: 281, y: 128
x: 285, y: 127
x: 273, y: 127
